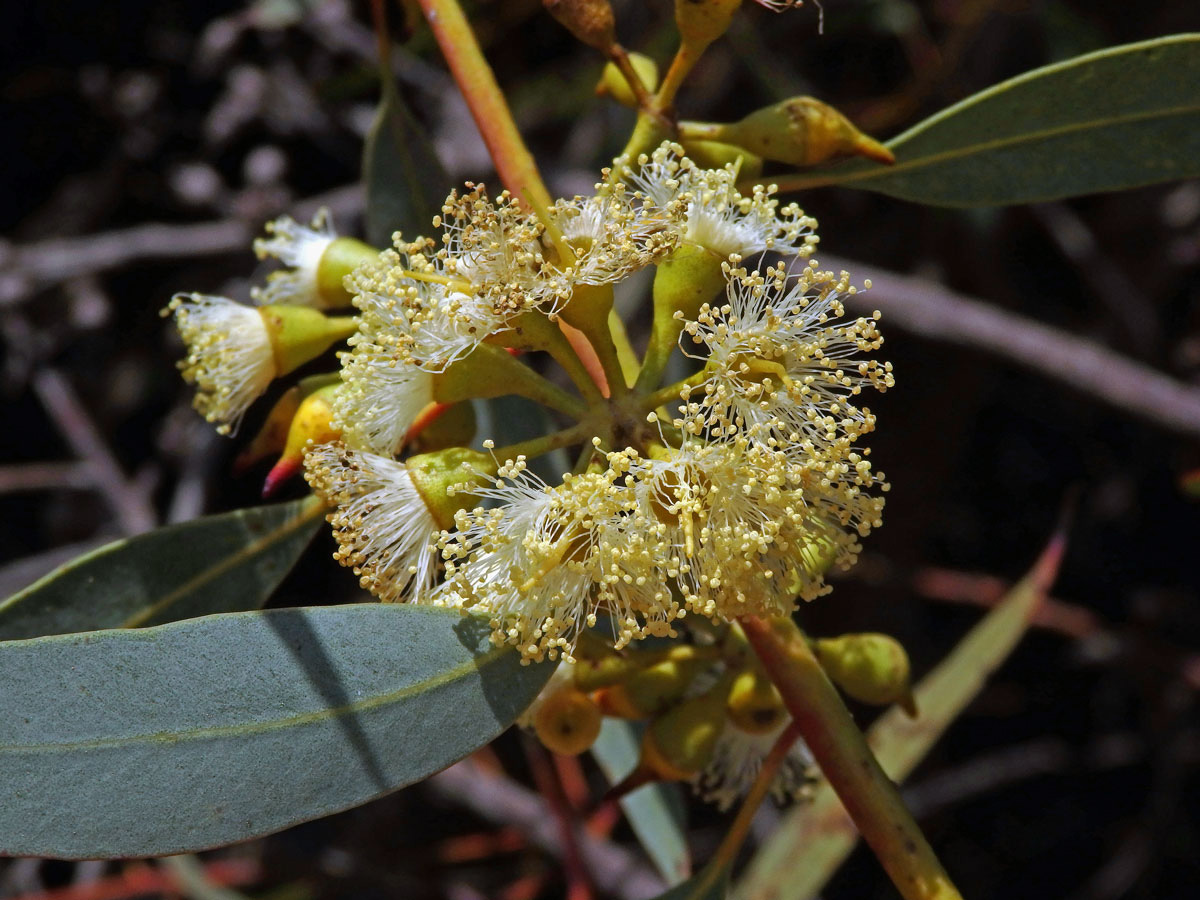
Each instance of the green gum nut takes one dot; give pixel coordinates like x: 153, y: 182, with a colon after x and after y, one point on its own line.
x: 680, y: 743
x: 613, y: 84
x: 300, y: 334
x: 567, y: 722
x: 685, y: 281
x: 589, y: 307
x: 815, y: 556
x: 651, y: 689
x: 340, y: 259
x: 802, y: 131
x: 870, y: 667
x: 487, y: 371
x: 716, y: 155
x: 434, y: 474
x: 700, y: 22
x: 754, y: 703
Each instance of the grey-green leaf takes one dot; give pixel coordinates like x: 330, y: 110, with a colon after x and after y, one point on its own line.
x: 225, y: 563
x: 404, y: 179
x: 1115, y: 119
x: 654, y: 811
x: 214, y: 730
x: 707, y: 884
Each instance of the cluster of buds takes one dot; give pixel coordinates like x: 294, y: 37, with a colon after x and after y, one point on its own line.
x: 710, y: 713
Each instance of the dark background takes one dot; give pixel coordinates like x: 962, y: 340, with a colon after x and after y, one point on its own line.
x: 1074, y: 773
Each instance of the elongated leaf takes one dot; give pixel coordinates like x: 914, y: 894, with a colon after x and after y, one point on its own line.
x: 813, y: 841
x: 226, y: 563
x: 201, y: 733
x: 704, y: 885
x: 1119, y: 118
x: 404, y: 179
x: 653, y: 810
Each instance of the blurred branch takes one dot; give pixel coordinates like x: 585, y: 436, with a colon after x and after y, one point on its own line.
x: 139, y: 879
x: 504, y: 802
x: 33, y: 267
x: 128, y: 501
x: 913, y: 304
x: 938, y: 313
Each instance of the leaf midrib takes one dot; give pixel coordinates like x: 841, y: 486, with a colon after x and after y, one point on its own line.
x: 329, y: 713
x: 999, y: 144
x: 212, y: 572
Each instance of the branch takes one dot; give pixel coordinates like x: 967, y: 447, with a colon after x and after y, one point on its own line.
x: 940, y: 314
x: 502, y: 801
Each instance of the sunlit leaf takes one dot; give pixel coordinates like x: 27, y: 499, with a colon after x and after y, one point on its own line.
x: 653, y: 810
x: 214, y: 730
x: 1119, y: 118
x: 224, y: 563
x: 811, y: 842
x: 704, y: 885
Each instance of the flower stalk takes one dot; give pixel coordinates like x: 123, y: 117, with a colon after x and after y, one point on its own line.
x: 847, y: 762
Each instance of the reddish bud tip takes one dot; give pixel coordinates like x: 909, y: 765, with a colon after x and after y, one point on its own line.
x: 282, y: 471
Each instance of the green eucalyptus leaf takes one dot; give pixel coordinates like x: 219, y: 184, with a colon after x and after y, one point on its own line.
x: 201, y: 733
x: 1118, y: 118
x: 404, y: 179
x: 225, y: 563
x: 707, y: 884
x: 654, y: 811
x: 813, y: 840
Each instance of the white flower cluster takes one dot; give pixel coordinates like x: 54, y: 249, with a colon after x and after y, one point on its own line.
x: 736, y: 507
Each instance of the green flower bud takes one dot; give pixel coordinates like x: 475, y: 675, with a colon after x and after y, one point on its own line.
x: 869, y: 667
x: 651, y: 689
x: 442, y: 479
x: 567, y: 722
x: 340, y: 259
x: 700, y: 22
x: 754, y: 703
x: 801, y: 131
x: 680, y: 743
x: 685, y: 281
x: 613, y: 84
x: 300, y: 334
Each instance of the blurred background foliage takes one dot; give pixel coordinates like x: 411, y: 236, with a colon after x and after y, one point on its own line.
x: 146, y: 143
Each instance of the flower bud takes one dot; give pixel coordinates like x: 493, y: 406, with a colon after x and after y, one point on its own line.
x: 567, y: 722
x: 443, y: 480
x: 680, y: 743
x: 651, y: 689
x: 685, y: 281
x: 716, y: 155
x: 591, y: 21
x: 613, y: 84
x: 801, y: 131
x: 754, y: 703
x: 310, y: 424
x: 299, y: 334
x: 274, y: 431
x: 869, y: 667
x: 700, y: 22
x: 340, y: 259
